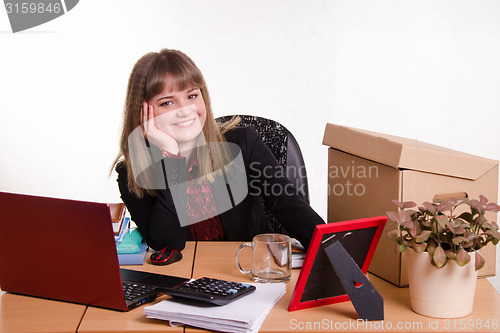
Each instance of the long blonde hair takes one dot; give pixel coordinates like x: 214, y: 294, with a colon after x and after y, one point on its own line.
x: 147, y: 80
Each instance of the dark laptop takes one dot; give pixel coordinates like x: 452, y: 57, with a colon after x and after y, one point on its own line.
x: 65, y: 250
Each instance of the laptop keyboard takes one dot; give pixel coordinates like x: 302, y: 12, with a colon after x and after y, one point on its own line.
x: 132, y: 291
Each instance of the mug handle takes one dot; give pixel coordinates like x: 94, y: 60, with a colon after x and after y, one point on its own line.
x: 238, y: 258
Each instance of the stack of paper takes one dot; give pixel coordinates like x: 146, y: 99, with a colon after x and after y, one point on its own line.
x: 243, y: 315
x: 298, y: 258
x: 298, y: 253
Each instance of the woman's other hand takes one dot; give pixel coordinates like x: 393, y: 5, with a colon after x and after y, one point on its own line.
x: 155, y: 136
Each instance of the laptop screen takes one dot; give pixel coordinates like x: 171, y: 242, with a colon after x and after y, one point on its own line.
x: 59, y: 249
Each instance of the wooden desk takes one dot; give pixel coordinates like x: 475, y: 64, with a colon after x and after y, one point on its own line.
x: 218, y: 260
x: 31, y: 314
x: 103, y: 320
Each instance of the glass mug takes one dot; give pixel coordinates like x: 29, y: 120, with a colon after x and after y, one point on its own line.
x: 271, y: 258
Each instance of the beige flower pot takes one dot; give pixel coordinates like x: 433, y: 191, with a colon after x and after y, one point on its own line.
x: 446, y: 292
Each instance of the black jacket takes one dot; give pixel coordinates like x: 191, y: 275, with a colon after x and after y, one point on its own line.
x: 158, y: 221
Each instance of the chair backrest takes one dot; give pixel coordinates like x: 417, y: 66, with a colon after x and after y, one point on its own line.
x: 285, y: 149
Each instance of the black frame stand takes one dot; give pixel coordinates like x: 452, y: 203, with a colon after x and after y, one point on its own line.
x: 366, y: 300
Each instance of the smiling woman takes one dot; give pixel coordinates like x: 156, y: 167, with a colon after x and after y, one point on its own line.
x: 174, y: 119
x: 166, y: 88
x: 183, y: 176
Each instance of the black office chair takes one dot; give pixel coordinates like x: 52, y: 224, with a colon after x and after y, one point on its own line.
x: 285, y: 148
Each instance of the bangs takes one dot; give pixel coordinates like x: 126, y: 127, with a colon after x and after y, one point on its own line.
x: 174, y: 74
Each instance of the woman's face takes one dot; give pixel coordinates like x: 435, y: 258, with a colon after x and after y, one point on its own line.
x: 180, y: 114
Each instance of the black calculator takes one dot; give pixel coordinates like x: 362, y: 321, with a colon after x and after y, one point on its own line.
x: 209, y: 290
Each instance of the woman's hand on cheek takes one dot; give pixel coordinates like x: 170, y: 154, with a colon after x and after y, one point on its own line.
x: 155, y: 136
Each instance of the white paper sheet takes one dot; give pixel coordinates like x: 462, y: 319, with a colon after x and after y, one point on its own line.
x: 243, y: 315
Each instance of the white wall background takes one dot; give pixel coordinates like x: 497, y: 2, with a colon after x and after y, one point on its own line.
x: 424, y: 69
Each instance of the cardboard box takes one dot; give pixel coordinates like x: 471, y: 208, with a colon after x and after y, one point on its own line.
x: 367, y: 170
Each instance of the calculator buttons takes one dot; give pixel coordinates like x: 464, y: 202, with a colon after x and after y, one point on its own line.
x: 215, y: 291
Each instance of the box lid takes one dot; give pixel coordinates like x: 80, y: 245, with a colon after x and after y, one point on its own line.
x: 403, y: 153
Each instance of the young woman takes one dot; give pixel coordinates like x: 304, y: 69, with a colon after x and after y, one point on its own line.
x: 184, y: 177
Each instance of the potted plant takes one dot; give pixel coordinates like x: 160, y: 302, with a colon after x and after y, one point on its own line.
x: 445, y: 239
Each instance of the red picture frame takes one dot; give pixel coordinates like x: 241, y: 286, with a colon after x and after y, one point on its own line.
x: 318, y: 284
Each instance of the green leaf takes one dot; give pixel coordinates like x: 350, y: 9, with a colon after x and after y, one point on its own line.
x: 445, y: 206
x: 405, y: 215
x: 423, y: 236
x: 471, y: 236
x: 461, y: 230
x: 393, y: 216
x: 465, y: 201
x: 408, y: 204
x: 411, y: 227
x: 492, y: 207
x: 397, y: 203
x: 425, y: 223
x: 402, y: 248
x: 430, y: 207
x: 404, y: 204
x: 496, y: 234
x: 487, y: 226
x: 463, y: 257
x: 467, y: 217
x: 467, y: 245
x: 459, y: 240
x: 480, y: 220
x: 430, y: 249
x: 476, y: 207
x: 393, y: 235
x: 439, y: 257
x: 450, y: 254
x: 479, y: 263
x: 418, y: 247
x: 483, y: 200
x: 408, y: 224
x: 450, y: 226
x: 442, y: 219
